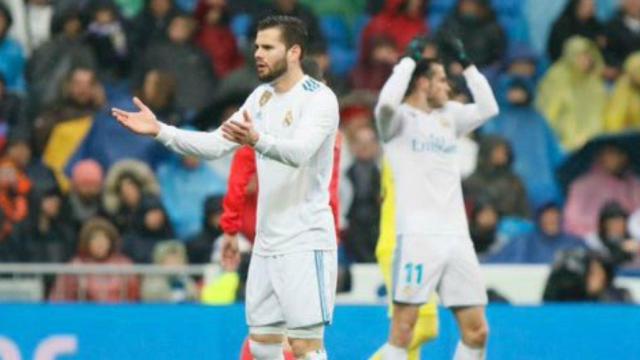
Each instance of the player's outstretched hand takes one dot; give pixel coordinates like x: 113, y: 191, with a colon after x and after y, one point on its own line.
x: 454, y: 47
x: 241, y: 132
x: 143, y: 122
x: 230, y: 253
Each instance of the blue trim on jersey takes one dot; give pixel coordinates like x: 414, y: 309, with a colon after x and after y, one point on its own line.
x: 310, y: 85
x: 395, y: 267
x: 321, y: 290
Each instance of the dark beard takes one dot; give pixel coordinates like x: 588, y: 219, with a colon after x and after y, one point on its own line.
x: 278, y: 69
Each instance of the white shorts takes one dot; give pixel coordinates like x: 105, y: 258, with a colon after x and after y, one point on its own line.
x: 448, y: 265
x: 291, y: 290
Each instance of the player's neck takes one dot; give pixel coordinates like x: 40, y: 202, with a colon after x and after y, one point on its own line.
x: 288, y: 80
x: 418, y: 101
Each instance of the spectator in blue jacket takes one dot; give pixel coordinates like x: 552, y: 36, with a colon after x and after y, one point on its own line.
x: 12, y: 59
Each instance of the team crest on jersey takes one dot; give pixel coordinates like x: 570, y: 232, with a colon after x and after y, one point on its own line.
x: 266, y: 96
x: 288, y: 118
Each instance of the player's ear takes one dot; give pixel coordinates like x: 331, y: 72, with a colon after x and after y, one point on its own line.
x: 295, y: 52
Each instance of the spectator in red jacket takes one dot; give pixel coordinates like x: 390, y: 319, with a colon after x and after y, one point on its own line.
x: 215, y: 36
x: 400, y: 20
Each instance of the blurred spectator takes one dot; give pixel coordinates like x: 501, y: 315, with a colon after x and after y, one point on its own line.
x: 12, y: 59
x: 82, y: 95
x: 169, y: 288
x: 609, y: 179
x: 241, y: 200
x: 86, y: 190
x: 572, y: 94
x: 363, y: 215
x: 151, y: 225
x: 99, y: 243
x: 374, y: 68
x: 476, y: 24
x: 483, y: 225
x: 294, y: 8
x: 108, y: 37
x: 158, y: 92
x: 151, y: 25
x: 128, y: 183
x: 623, y: 33
x: 189, y: 65
x: 215, y: 36
x: 521, y: 61
x: 35, y: 27
x: 494, y: 177
x: 612, y: 239
x: 185, y: 183
x: 578, y: 275
x: 242, y: 81
x: 541, y: 245
x: 130, y: 8
x: 47, y: 234
x: 200, y: 246
x: 577, y: 18
x: 623, y: 109
x: 12, y: 115
x: 400, y: 21
x: 634, y: 224
x: 54, y: 60
x: 15, y: 187
x: 537, y: 152
x: 320, y: 56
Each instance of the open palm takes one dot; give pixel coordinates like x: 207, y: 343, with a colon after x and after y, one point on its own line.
x: 143, y: 122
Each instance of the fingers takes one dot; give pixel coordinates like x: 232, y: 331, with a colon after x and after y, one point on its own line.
x: 119, y: 112
x: 140, y: 104
x: 247, y: 118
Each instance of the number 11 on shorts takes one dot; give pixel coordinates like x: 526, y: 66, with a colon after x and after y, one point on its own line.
x: 410, y: 269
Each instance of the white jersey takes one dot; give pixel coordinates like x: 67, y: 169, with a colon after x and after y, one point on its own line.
x: 421, y: 149
x: 294, y: 157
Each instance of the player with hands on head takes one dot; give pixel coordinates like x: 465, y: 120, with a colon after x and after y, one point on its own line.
x: 419, y: 127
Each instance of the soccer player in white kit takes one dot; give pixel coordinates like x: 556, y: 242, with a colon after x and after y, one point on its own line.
x: 291, y: 121
x: 419, y: 126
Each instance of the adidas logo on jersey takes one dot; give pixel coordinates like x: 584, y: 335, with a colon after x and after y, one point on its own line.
x: 310, y: 85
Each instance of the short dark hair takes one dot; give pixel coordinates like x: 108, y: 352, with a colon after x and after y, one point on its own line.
x: 424, y: 68
x: 293, y: 30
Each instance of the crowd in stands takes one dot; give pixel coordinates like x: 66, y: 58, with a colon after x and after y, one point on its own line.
x: 554, y: 178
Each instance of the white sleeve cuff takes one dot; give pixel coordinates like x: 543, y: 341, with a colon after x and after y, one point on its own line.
x: 263, y: 144
x: 165, y: 134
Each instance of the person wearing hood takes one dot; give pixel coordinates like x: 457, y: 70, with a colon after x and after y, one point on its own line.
x: 152, y: 23
x: 623, y: 110
x: 581, y: 275
x: 476, y: 24
x: 623, y: 33
x: 399, y: 20
x: 98, y: 244
x: 537, y: 152
x: 521, y: 62
x: 572, y: 95
x: 200, y: 246
x: 187, y: 63
x: 159, y: 91
x: 541, y: 245
x: 215, y: 36
x: 151, y: 225
x: 609, y: 179
x: 494, y: 177
x: 169, y: 288
x: 13, y: 59
x: 127, y: 184
x: 185, y: 183
x: 483, y: 226
x: 52, y: 62
x: 375, y: 67
x: 47, y: 235
x: 612, y: 239
x: 577, y: 18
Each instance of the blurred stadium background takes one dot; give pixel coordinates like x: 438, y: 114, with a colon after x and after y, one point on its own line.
x: 108, y: 242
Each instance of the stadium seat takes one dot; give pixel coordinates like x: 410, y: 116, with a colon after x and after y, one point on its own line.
x: 358, y: 27
x: 336, y: 31
x: 240, y: 25
x: 508, y: 7
x: 443, y: 6
x: 342, y: 60
x: 434, y: 20
x: 516, y: 28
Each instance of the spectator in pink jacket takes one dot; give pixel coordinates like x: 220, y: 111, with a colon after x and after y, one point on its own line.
x: 98, y: 245
x: 610, y: 179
